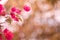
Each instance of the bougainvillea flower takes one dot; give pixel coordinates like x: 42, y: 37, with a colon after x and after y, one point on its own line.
x: 0, y: 36
x: 2, y: 13
x: 2, y: 10
x: 13, y: 9
x: 14, y: 16
x: 8, y: 34
x: 26, y: 8
x: 16, y: 10
x: 1, y: 7
x: 16, y: 19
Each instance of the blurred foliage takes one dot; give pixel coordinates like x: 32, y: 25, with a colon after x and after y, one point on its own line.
x: 52, y: 1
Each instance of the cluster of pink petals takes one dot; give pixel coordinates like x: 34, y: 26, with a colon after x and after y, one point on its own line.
x: 2, y: 10
x: 15, y: 10
x: 13, y: 13
x: 8, y: 34
x: 14, y: 17
x: 26, y: 8
x: 0, y: 36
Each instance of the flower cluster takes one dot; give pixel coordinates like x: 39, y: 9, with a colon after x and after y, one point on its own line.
x: 13, y: 15
x: 14, y: 12
x: 8, y: 35
x: 2, y: 10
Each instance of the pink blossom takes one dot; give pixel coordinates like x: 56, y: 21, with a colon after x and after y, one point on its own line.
x: 8, y: 34
x: 2, y: 10
x: 0, y: 33
x: 0, y: 36
x: 2, y: 13
x: 26, y: 8
x: 18, y: 11
x: 14, y: 16
x: 13, y: 13
x: 1, y: 7
x: 13, y: 9
x: 16, y: 19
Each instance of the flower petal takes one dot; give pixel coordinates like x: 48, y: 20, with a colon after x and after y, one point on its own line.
x: 8, y: 34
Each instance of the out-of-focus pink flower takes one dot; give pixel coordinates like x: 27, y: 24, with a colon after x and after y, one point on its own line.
x: 16, y: 19
x: 8, y: 34
x: 2, y: 10
x: 14, y: 9
x: 14, y: 16
x: 1, y: 7
x: 0, y: 33
x: 0, y: 36
x: 18, y: 11
x: 26, y: 8
x: 13, y: 13
x: 2, y: 13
